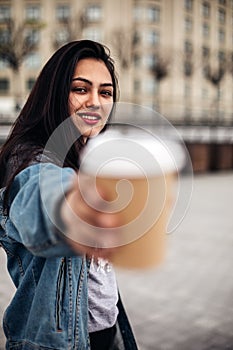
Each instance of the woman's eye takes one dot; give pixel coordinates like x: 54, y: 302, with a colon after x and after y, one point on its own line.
x: 80, y: 90
x: 107, y: 93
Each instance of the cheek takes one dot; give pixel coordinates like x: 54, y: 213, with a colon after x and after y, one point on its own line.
x: 71, y: 105
x: 74, y: 103
x: 108, y: 109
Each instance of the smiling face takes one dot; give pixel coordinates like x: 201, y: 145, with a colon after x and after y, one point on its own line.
x: 91, y: 96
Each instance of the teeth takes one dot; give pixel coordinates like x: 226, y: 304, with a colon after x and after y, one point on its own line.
x: 89, y: 117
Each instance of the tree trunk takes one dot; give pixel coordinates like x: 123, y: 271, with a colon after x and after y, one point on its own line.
x: 17, y: 90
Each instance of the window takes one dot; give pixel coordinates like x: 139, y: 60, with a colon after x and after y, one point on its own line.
x: 4, y: 85
x: 33, y: 61
x: 221, y: 36
x: 30, y: 83
x: 94, y: 13
x: 137, y: 13
x: 206, y: 71
x: 4, y: 36
x: 221, y: 15
x: 3, y: 63
x: 136, y: 38
x: 149, y: 86
x: 206, y: 30
x: 150, y: 60
x: 188, y: 5
x: 5, y: 13
x: 188, y: 47
x: 221, y: 57
x: 32, y: 12
x: 63, y: 13
x: 136, y: 86
x: 153, y: 14
x: 62, y: 36
x: 188, y: 24
x: 205, y: 52
x: 32, y: 36
x: 152, y: 37
x: 206, y: 9
x: 136, y: 60
x: 93, y: 33
x: 187, y: 90
x: 222, y: 2
x: 188, y: 68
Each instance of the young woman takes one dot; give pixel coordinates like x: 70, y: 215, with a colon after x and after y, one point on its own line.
x: 64, y: 299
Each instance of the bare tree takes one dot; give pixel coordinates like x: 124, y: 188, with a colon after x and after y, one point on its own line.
x: 69, y: 29
x: 188, y: 63
x: 16, y: 42
x: 159, y: 70
x: 188, y: 70
x: 123, y: 43
x: 215, y: 76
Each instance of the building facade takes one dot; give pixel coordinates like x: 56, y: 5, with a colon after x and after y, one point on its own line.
x: 175, y: 56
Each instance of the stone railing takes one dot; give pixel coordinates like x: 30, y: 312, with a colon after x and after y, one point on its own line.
x: 210, y: 148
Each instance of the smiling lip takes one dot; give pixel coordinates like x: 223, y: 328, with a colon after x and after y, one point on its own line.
x: 89, y: 118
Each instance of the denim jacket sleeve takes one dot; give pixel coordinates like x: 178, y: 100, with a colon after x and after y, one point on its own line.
x: 34, y: 200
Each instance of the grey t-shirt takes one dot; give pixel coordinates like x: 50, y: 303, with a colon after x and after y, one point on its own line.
x: 102, y: 296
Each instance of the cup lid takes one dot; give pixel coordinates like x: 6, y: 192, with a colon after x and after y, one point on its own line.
x: 131, y: 153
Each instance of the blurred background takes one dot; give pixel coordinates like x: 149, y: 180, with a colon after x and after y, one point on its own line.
x: 174, y: 56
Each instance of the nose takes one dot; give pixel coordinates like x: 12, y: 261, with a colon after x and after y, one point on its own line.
x: 93, y: 100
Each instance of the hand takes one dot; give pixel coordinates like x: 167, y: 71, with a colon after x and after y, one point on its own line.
x: 91, y: 227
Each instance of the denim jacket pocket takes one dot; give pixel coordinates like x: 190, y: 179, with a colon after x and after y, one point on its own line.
x: 60, y: 293
x: 3, y: 212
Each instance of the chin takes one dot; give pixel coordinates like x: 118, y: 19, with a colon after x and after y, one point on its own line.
x: 93, y: 131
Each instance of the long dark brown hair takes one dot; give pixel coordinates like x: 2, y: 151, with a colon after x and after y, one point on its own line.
x: 47, y: 107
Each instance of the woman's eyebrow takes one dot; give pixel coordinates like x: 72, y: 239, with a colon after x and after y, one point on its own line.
x: 89, y: 82
x: 107, y: 84
x: 83, y: 79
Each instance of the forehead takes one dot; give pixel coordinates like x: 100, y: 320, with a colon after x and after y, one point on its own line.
x: 92, y: 69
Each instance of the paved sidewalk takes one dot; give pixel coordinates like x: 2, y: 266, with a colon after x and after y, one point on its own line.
x: 186, y: 303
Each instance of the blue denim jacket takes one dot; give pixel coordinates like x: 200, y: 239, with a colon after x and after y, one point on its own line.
x: 50, y: 306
